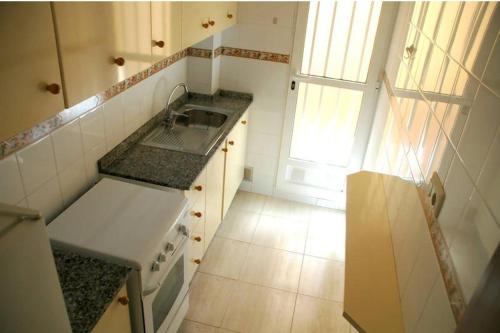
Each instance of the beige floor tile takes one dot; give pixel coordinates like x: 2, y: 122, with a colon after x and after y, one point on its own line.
x: 225, y: 257
x: 287, y: 209
x: 281, y: 233
x: 250, y: 202
x: 272, y: 268
x: 189, y: 326
x: 313, y: 315
x: 239, y: 225
x: 322, y: 278
x: 255, y: 309
x: 208, y: 298
x: 326, y: 235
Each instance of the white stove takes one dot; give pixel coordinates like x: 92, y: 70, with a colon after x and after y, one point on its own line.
x: 142, y: 227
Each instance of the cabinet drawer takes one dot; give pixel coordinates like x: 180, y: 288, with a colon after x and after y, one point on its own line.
x: 194, y: 251
x: 197, y: 213
x: 197, y: 189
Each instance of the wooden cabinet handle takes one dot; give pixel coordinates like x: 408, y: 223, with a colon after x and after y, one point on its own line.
x: 211, y: 22
x: 197, y: 214
x: 229, y: 16
x: 204, y: 25
x: 119, y: 61
x: 197, y: 238
x: 159, y: 43
x: 197, y: 261
x: 198, y: 188
x: 244, y: 122
x: 224, y: 150
x: 231, y: 142
x: 123, y: 300
x: 53, y: 88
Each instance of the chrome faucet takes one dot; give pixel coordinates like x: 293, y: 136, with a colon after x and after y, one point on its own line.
x: 169, y: 114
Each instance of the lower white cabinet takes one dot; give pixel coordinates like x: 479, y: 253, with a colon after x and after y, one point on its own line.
x: 215, y: 191
x: 116, y: 318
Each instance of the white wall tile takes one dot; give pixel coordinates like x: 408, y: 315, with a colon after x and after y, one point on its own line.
x: 489, y: 178
x: 91, y: 157
x: 92, y: 126
x: 264, y: 144
x: 11, y: 185
x: 133, y: 114
x: 37, y: 164
x: 199, y: 75
x: 68, y: 146
x: 73, y: 181
x: 47, y: 199
x: 113, y: 121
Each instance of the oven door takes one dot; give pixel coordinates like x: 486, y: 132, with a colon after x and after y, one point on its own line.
x: 161, y: 305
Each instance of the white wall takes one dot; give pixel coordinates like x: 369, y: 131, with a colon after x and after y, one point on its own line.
x: 50, y: 174
x: 267, y: 81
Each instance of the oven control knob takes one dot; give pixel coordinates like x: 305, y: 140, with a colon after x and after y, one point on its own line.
x: 169, y: 247
x: 155, y: 267
x: 184, y: 230
x: 162, y: 257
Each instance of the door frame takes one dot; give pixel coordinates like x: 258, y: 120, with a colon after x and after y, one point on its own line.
x: 370, y: 88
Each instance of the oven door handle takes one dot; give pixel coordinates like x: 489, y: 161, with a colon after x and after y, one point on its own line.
x: 151, y: 290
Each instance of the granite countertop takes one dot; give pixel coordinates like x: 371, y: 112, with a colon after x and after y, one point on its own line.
x: 89, y: 285
x: 167, y: 167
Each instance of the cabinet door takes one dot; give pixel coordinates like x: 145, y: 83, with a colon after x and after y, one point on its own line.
x: 28, y: 63
x: 117, y: 317
x: 223, y: 14
x: 215, y: 188
x: 195, y: 251
x: 166, y: 23
x: 235, y: 161
x: 101, y: 43
x: 195, y: 26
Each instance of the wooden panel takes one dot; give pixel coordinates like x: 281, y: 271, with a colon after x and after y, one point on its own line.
x: 224, y: 15
x: 116, y: 318
x: 371, y: 294
x: 194, y: 15
x: 91, y: 35
x: 215, y: 188
x: 166, y: 26
x: 28, y: 63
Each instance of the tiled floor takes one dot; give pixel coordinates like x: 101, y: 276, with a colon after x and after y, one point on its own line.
x: 274, y: 266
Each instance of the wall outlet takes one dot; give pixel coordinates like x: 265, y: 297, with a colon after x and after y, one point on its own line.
x: 436, y: 193
x: 248, y: 174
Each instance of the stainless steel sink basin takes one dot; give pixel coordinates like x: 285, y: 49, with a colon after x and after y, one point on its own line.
x: 195, y: 130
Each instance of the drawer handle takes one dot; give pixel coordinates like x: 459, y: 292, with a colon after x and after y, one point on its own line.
x: 211, y: 22
x: 198, y: 188
x: 197, y: 214
x: 229, y: 16
x: 123, y: 300
x: 119, y: 61
x: 197, y: 261
x: 204, y: 25
x: 244, y: 122
x: 53, y: 88
x: 197, y: 239
x: 224, y: 150
x: 159, y: 43
x: 231, y: 142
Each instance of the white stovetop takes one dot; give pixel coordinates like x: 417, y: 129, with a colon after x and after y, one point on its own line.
x: 118, y: 221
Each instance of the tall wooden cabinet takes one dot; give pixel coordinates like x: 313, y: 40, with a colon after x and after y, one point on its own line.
x: 166, y: 25
x: 30, y: 89
x: 101, y: 43
x: 235, y: 161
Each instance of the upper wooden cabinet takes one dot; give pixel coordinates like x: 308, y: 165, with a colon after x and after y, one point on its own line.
x: 166, y: 24
x: 101, y: 43
x: 202, y: 19
x: 29, y: 66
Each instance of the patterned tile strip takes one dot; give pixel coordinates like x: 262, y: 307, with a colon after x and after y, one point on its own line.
x: 42, y: 129
x: 450, y: 278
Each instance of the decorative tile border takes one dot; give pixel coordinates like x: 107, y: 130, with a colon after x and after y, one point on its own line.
x: 258, y: 55
x: 200, y: 53
x: 450, y: 278
x: 44, y: 128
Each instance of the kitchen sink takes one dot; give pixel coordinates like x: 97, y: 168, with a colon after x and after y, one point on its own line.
x: 194, y: 129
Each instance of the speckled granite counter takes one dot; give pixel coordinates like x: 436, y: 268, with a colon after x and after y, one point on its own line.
x: 89, y: 285
x: 167, y: 167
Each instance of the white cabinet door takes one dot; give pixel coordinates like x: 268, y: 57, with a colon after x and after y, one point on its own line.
x: 235, y: 160
x: 215, y: 188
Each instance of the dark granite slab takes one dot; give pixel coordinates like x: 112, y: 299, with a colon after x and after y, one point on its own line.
x: 167, y: 167
x: 89, y: 285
